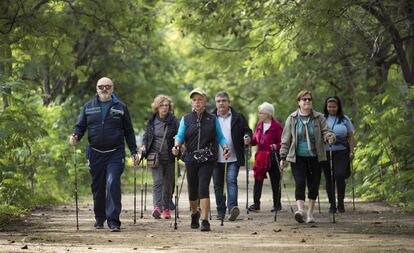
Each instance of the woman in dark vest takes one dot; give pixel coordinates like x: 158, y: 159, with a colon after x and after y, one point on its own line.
x: 199, y: 131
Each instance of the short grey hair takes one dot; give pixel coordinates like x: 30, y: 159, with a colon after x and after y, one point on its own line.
x: 222, y: 94
x: 267, y: 108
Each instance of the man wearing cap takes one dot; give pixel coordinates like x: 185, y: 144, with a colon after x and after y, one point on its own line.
x: 238, y: 134
x: 199, y: 131
x: 108, y: 123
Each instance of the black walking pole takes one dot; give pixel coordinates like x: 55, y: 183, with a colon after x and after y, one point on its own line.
x: 247, y: 178
x: 142, y: 193
x: 76, y: 188
x: 319, y: 203
x: 176, y: 191
x: 353, y: 185
x: 146, y: 186
x: 277, y: 194
x: 135, y: 195
x: 179, y: 193
x: 332, y: 182
x: 287, y: 195
x: 135, y: 189
x: 224, y: 191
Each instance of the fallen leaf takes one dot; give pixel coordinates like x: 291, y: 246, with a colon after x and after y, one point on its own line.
x: 24, y: 247
x: 303, y: 240
x: 254, y: 233
x: 109, y: 240
x: 277, y: 230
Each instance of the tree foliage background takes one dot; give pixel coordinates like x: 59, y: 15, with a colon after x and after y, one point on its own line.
x: 53, y: 52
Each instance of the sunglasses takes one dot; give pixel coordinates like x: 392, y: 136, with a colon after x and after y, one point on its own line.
x: 106, y: 87
x: 306, y: 99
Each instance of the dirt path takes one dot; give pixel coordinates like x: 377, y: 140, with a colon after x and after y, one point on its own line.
x: 373, y: 227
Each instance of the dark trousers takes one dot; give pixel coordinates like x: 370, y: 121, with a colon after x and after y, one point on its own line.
x: 306, y: 170
x: 198, y: 179
x: 106, y: 170
x: 340, y: 162
x: 274, y: 174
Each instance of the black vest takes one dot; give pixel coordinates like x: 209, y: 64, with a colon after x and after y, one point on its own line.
x: 206, y: 124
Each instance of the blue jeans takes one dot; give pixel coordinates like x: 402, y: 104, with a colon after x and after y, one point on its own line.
x: 106, y: 170
x: 232, y: 190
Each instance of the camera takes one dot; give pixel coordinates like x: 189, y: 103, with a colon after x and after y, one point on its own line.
x: 202, y: 155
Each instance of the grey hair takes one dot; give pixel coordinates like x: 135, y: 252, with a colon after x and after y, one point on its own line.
x: 222, y: 94
x: 267, y: 108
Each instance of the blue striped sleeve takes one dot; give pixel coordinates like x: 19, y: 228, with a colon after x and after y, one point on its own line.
x: 181, y: 132
x: 219, y: 134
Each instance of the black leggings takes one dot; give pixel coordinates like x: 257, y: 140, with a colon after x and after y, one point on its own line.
x: 274, y: 175
x: 340, y: 162
x: 198, y: 179
x: 306, y: 170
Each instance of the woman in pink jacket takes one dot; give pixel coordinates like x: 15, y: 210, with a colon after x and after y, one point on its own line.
x: 267, y: 137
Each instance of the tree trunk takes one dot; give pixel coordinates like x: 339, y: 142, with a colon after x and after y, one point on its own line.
x: 5, y: 66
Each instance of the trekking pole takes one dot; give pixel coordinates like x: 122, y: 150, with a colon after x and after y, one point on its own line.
x: 247, y: 178
x: 224, y: 191
x: 145, y: 188
x: 332, y: 182
x: 142, y: 192
x: 277, y: 194
x: 353, y: 186
x: 76, y: 188
x: 319, y: 203
x: 179, y: 193
x: 176, y: 191
x: 135, y: 189
x: 287, y: 195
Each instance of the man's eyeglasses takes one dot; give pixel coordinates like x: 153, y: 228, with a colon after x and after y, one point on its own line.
x: 306, y: 99
x: 221, y: 101
x: 106, y: 87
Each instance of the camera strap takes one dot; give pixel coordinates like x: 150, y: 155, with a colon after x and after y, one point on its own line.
x: 199, y: 131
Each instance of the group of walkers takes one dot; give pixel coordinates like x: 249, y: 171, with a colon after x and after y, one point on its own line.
x: 212, y: 145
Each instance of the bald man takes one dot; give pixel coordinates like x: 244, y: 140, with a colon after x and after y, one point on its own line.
x: 108, y: 123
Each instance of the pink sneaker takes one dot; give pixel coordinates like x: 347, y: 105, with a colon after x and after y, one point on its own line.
x: 166, y: 214
x: 156, y: 213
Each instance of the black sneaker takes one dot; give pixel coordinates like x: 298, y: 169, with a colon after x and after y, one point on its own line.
x: 332, y: 209
x: 277, y: 208
x: 234, y: 212
x: 195, y: 220
x: 254, y: 208
x: 114, y: 228
x: 99, y: 225
x: 205, y: 225
x: 341, y: 208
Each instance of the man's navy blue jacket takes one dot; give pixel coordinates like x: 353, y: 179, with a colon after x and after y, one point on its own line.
x: 108, y: 133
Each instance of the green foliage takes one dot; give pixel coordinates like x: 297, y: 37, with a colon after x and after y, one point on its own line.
x: 53, y: 52
x: 10, y: 213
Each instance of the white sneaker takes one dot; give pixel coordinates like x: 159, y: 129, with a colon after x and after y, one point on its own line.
x: 300, y: 216
x: 310, y: 218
